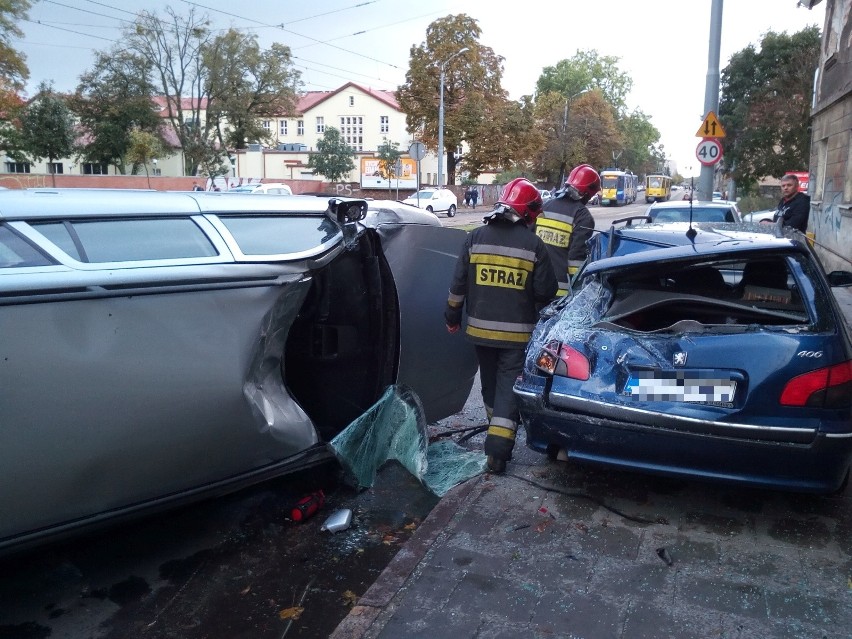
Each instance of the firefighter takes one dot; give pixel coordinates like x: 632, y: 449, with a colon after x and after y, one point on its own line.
x: 566, y: 224
x: 503, y: 277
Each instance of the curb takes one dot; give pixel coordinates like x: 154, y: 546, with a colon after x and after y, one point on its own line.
x: 393, y: 577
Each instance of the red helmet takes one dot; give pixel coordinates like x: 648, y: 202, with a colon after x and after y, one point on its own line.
x: 523, y: 197
x: 585, y: 179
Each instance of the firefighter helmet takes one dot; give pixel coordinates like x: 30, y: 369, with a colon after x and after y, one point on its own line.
x: 585, y: 179
x: 521, y: 195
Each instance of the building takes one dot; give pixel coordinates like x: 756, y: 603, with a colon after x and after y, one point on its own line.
x: 830, y: 181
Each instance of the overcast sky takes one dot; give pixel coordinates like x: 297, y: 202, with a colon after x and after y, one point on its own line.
x: 662, y: 44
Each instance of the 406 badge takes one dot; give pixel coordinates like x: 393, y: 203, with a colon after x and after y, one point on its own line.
x: 491, y: 275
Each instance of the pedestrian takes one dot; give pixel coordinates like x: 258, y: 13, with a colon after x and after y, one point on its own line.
x: 566, y: 224
x: 195, y: 187
x: 467, y: 197
x: 474, y: 195
x: 503, y: 277
x: 795, y: 207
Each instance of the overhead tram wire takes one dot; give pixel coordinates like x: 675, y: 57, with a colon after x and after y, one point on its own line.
x: 282, y: 28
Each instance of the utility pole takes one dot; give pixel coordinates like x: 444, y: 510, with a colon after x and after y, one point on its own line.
x: 711, y: 91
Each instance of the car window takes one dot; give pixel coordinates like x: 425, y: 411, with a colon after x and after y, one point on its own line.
x: 278, y: 234
x: 128, y: 240
x: 17, y: 252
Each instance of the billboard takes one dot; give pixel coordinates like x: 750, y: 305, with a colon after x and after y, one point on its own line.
x: 372, y: 176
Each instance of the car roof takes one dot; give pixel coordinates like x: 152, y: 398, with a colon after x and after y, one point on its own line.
x: 30, y: 204
x: 677, y: 204
x: 670, y: 241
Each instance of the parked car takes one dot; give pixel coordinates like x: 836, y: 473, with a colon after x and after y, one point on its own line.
x: 717, y: 354
x: 271, y: 188
x: 435, y: 201
x: 595, y: 199
x: 164, y: 347
x: 760, y: 217
x: 718, y: 195
x: 678, y: 211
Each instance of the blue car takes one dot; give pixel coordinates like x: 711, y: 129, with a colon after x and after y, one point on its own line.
x: 708, y: 351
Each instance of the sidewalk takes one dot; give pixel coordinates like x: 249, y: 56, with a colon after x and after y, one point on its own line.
x: 616, y: 555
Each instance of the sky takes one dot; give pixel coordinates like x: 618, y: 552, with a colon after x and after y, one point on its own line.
x: 662, y: 44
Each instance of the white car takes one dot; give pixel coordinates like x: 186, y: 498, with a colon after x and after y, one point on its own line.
x: 435, y: 200
x: 272, y: 188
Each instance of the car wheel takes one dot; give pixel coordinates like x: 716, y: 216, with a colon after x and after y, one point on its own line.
x: 451, y: 212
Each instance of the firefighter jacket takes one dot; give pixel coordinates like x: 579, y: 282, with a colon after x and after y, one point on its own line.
x: 503, y: 276
x: 565, y: 225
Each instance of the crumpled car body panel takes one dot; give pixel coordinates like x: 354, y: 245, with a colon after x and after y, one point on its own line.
x: 133, y: 387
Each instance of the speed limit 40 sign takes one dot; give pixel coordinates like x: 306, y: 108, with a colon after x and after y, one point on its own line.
x: 708, y: 151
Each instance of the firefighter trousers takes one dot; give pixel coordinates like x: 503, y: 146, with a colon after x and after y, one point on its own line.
x: 498, y: 370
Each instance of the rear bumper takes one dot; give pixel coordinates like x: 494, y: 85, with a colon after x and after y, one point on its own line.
x: 791, y: 459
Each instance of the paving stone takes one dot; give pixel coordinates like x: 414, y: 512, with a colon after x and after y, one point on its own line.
x: 495, y: 598
x: 580, y: 615
x: 645, y: 620
x: 724, y: 596
x: 431, y: 624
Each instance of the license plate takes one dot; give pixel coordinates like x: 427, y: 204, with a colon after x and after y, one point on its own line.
x: 680, y: 386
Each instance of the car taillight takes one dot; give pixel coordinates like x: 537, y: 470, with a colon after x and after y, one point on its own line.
x: 829, y: 387
x: 561, y: 359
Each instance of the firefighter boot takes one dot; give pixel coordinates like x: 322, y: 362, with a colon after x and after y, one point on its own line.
x: 499, y: 444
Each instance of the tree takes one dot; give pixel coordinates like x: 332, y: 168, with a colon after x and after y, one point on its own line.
x: 642, y: 153
x: 576, y: 131
x: 47, y: 127
x: 13, y: 67
x: 765, y: 105
x: 114, y: 98
x: 473, y: 94
x: 389, y: 155
x: 585, y: 71
x: 245, y: 84
x: 143, y: 147
x: 173, y: 46
x: 333, y: 157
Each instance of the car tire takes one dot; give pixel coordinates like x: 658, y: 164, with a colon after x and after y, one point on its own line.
x: 451, y: 212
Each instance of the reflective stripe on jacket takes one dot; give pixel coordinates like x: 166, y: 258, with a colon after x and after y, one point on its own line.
x: 565, y: 225
x: 503, y: 276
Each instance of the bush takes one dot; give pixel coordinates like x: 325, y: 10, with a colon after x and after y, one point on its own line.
x: 751, y: 203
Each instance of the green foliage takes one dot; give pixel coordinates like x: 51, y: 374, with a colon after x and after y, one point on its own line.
x: 389, y: 155
x: 112, y: 99
x: 143, y: 147
x: 475, y: 103
x: 47, y: 126
x: 585, y: 71
x: 765, y: 105
x: 642, y: 153
x: 507, y: 176
x: 13, y: 67
x: 334, y: 157
x: 753, y: 202
x: 246, y: 84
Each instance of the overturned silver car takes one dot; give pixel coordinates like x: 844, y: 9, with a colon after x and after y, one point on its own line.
x: 162, y: 347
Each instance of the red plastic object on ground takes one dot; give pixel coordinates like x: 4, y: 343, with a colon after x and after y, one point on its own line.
x: 306, y: 507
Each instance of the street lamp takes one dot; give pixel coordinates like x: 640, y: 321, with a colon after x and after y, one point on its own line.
x: 565, y: 134
x: 441, y: 118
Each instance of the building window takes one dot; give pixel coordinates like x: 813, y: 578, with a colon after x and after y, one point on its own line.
x: 95, y: 168
x: 384, y: 124
x: 320, y: 125
x: 300, y: 127
x: 352, y: 131
x: 17, y: 167
x: 267, y: 125
x: 156, y: 172
x: 55, y: 168
x: 282, y: 127
x: 351, y: 100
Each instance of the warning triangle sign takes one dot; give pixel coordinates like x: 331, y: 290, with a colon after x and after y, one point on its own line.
x: 711, y: 127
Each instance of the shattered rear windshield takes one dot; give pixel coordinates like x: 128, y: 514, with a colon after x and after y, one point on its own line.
x: 765, y: 290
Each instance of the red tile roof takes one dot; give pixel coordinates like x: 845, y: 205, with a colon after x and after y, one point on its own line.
x: 310, y: 99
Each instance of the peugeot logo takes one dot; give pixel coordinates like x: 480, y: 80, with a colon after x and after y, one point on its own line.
x: 679, y: 358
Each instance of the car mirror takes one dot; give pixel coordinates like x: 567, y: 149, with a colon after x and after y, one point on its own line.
x: 840, y: 278
x: 347, y: 211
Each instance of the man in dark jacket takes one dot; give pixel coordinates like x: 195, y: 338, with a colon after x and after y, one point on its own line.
x: 566, y: 224
x: 503, y: 277
x: 794, y: 207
